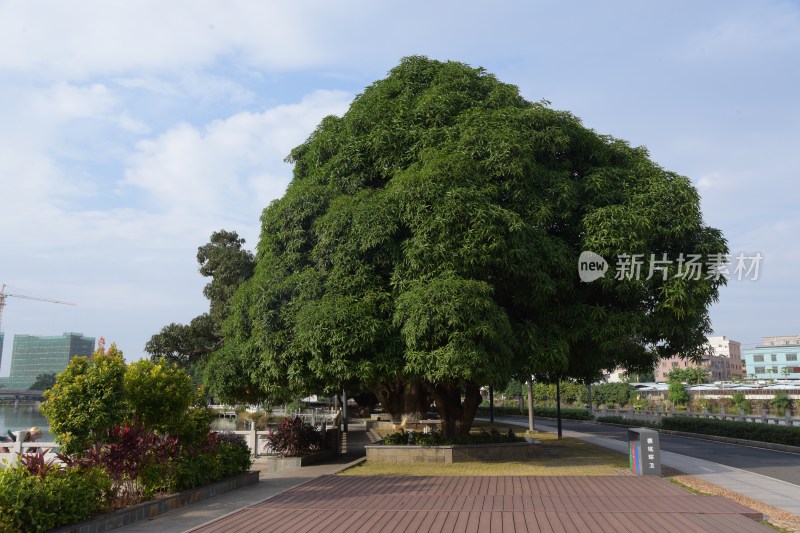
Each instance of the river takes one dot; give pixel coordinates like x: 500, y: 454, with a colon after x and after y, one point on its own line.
x: 25, y: 416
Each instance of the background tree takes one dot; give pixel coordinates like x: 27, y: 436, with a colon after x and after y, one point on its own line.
x: 691, y: 375
x: 612, y: 394
x: 228, y: 264
x: 740, y: 402
x: 428, y: 245
x: 677, y: 393
x: 781, y: 401
x: 43, y: 382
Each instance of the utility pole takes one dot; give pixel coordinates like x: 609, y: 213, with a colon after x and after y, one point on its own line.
x: 491, y: 403
x: 530, y: 404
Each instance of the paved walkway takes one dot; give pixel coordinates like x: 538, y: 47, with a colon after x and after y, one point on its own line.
x: 774, y: 492
x: 307, y: 492
x: 489, y: 504
x: 269, y: 485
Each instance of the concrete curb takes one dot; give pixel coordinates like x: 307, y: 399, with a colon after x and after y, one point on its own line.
x: 153, y: 508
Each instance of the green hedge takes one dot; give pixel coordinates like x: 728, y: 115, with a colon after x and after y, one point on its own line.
x: 435, y: 438
x: 30, y: 502
x: 627, y: 422
x: 737, y: 430
x: 569, y: 413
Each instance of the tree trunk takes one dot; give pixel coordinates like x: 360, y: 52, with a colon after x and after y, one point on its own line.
x: 457, y: 417
x: 405, y: 402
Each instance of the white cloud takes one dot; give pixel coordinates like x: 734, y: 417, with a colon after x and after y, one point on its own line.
x: 237, y: 161
x: 76, y: 39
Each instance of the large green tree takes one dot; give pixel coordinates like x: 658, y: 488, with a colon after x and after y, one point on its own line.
x: 228, y: 264
x: 429, y: 241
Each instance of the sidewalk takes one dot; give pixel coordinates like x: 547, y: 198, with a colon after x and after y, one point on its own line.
x: 269, y: 485
x: 774, y: 492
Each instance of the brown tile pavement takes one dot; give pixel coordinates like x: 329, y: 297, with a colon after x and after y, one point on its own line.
x: 489, y: 504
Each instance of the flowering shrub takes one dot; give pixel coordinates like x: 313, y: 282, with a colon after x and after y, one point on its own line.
x: 294, y: 438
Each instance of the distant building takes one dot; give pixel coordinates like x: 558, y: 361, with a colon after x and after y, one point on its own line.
x: 2, y: 338
x: 774, y: 358
x: 723, y: 360
x: 33, y: 355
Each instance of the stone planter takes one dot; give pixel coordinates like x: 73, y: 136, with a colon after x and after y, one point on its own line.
x: 153, y: 508
x: 275, y: 463
x: 452, y: 453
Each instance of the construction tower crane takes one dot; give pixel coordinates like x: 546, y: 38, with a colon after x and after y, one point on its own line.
x: 4, y: 295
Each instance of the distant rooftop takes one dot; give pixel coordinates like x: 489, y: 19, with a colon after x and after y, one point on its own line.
x: 785, y: 340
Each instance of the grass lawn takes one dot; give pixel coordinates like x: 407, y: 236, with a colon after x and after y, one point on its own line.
x: 567, y: 457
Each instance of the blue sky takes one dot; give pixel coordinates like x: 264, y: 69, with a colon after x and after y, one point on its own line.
x: 133, y: 130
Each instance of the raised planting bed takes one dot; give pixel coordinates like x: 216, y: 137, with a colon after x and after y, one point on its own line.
x: 153, y: 508
x: 451, y: 453
x: 276, y: 463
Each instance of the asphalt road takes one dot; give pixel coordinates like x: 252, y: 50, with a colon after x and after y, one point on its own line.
x: 778, y: 465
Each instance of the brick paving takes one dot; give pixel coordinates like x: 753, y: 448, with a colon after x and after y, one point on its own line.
x: 489, y: 504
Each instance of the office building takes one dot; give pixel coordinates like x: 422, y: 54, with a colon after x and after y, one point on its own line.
x: 33, y: 355
x: 722, y: 360
x: 774, y: 358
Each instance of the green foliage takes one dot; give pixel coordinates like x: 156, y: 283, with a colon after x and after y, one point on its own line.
x: 39, y: 503
x: 158, y: 394
x: 538, y: 410
x: 221, y: 455
x: 622, y: 421
x: 294, y: 438
x: 233, y: 455
x: 516, y: 388
x: 739, y: 430
x: 196, y: 422
x: 185, y: 343
x: 677, y: 393
x: 691, y: 375
x: 43, y: 382
x: 228, y: 264
x: 92, y: 396
x: 612, y: 394
x: 430, y: 236
x: 571, y: 393
x: 740, y: 402
x: 87, y: 399
x: 781, y: 400
x: 435, y: 438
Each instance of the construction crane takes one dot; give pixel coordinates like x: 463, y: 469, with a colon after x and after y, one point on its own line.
x: 4, y: 295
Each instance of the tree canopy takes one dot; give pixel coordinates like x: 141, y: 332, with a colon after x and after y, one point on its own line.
x: 429, y: 241
x: 44, y: 381
x: 228, y: 264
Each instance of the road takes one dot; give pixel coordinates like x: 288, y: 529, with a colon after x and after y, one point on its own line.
x: 778, y: 465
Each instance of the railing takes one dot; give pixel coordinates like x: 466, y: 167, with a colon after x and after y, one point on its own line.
x: 257, y: 439
x: 15, y: 449
x: 651, y: 415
